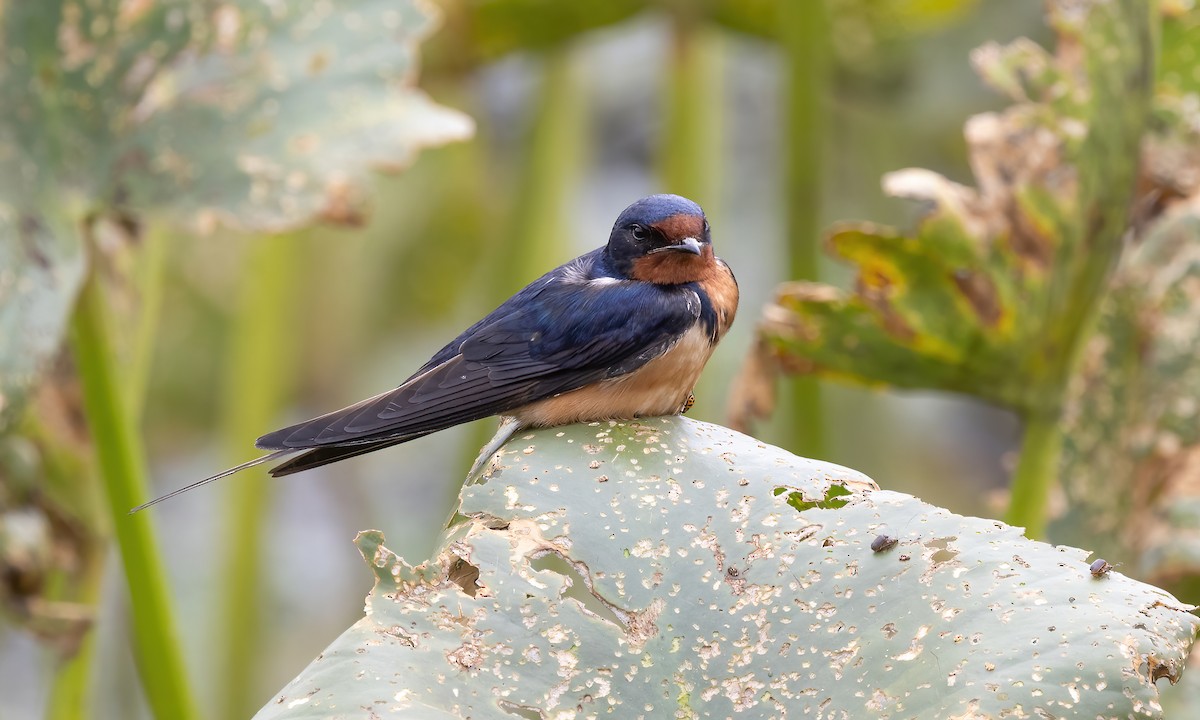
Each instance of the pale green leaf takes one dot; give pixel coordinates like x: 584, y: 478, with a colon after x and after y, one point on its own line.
x: 662, y: 568
x: 260, y: 115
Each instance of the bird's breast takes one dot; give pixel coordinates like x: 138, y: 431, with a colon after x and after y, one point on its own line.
x: 721, y: 288
x: 660, y: 387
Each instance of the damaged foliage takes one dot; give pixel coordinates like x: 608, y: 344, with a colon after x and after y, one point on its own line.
x: 686, y: 583
x: 993, y: 293
x: 261, y: 116
x: 987, y: 296
x: 1129, y: 417
x: 125, y: 121
x: 1130, y: 459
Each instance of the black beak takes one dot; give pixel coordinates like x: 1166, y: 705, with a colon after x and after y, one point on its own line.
x: 688, y: 244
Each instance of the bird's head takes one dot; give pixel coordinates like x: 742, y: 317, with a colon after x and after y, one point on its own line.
x: 662, y: 239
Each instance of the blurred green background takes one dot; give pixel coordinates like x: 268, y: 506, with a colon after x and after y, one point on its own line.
x: 776, y: 128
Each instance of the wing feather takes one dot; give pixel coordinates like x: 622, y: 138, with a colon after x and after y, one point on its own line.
x: 564, y: 337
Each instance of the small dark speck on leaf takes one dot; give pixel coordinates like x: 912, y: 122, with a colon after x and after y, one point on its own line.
x: 1100, y: 568
x: 883, y: 543
x: 904, y: 558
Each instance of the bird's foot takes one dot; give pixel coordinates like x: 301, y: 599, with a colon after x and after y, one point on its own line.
x: 508, y: 427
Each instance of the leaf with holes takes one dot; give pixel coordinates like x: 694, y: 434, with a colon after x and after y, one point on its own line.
x: 661, y: 569
x: 264, y: 116
x: 1133, y: 438
x: 991, y: 293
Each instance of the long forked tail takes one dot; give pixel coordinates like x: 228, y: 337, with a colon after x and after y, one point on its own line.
x: 310, y: 458
x: 269, y: 457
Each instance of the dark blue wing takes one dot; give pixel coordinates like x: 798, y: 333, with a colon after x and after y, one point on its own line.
x: 553, y: 337
x: 588, y: 264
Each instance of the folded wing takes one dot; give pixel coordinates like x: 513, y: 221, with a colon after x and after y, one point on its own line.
x: 564, y: 336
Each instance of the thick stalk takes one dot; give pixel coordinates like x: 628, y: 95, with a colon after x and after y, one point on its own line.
x: 150, y: 287
x: 72, y: 679
x: 804, y: 31
x: 257, y: 376
x: 1035, y: 474
x: 121, y: 462
x: 538, y: 238
x: 690, y: 146
x: 68, y: 693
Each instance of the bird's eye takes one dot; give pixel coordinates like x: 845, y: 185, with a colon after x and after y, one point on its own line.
x: 706, y: 226
x: 639, y: 232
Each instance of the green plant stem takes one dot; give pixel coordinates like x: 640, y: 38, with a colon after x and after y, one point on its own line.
x: 68, y: 694
x: 122, y: 469
x: 150, y: 285
x: 1041, y: 446
x: 257, y: 378
x: 68, y: 699
x: 804, y: 32
x: 535, y: 239
x: 689, y: 144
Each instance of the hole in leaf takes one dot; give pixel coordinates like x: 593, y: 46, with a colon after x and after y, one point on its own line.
x: 577, y: 586
x: 521, y: 711
x: 465, y: 575
x: 942, y: 551
x: 835, y: 497
x: 491, y: 522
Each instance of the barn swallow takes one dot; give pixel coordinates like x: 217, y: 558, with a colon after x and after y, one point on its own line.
x: 618, y: 333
